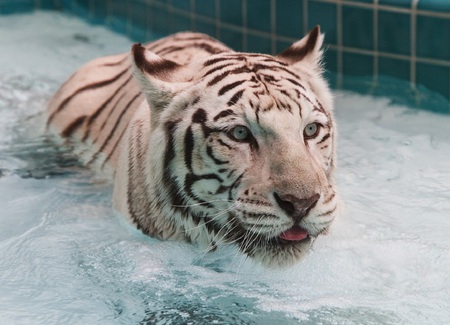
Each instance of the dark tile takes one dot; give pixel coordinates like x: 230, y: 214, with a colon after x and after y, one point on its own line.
x: 394, y: 34
x: 205, y: 27
x: 98, y: 11
x: 231, y: 12
x: 206, y: 8
x: 231, y: 38
x: 180, y: 23
x: 12, y: 7
x: 434, y: 5
x: 394, y: 68
x: 364, y: 1
x: 357, y: 64
x: 324, y: 14
x: 330, y: 60
x: 433, y: 36
x: 289, y: 18
x: 182, y: 4
x: 357, y: 27
x: 397, y: 3
x: 258, y: 15
x: 258, y: 44
x: 434, y: 77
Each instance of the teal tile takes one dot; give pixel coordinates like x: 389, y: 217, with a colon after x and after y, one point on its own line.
x: 205, y: 27
x: 324, y: 14
x: 48, y: 4
x: 434, y: 5
x: 205, y: 8
x: 330, y: 60
x: 357, y: 64
x: 180, y: 23
x: 231, y: 38
x: 434, y: 77
x: 394, y: 34
x: 182, y: 4
x: 258, y: 44
x: 433, y: 37
x: 364, y: 1
x: 289, y: 18
x: 98, y: 11
x: 160, y: 21
x: 16, y: 6
x: 258, y: 15
x: 394, y: 68
x: 397, y: 3
x: 231, y: 12
x: 357, y: 27
x: 137, y: 13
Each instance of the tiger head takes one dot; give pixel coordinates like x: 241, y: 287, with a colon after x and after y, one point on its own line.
x: 249, y: 147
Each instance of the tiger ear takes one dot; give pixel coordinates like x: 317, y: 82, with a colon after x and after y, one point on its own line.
x: 159, y: 79
x: 307, y: 50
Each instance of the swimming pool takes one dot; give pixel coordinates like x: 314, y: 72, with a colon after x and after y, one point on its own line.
x: 66, y: 258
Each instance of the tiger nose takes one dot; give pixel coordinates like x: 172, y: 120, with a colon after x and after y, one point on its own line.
x: 296, y: 207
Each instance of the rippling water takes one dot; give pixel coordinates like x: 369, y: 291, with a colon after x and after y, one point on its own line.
x: 66, y: 258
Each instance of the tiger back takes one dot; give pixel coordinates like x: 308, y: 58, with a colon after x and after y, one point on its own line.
x: 209, y: 145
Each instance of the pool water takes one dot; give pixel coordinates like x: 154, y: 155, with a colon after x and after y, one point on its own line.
x: 67, y: 258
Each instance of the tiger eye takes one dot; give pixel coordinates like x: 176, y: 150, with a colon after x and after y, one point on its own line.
x: 241, y: 133
x: 311, y: 130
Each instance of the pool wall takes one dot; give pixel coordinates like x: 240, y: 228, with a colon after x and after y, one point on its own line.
x: 405, y: 39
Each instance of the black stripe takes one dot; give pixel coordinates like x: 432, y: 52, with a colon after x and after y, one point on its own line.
x: 295, y: 82
x: 73, y: 126
x: 169, y: 180
x: 223, y: 114
x: 235, y: 98
x: 223, y: 144
x: 102, y: 107
x: 87, y: 87
x: 211, y: 155
x: 220, y: 67
x: 189, y: 182
x: 113, y: 130
x: 324, y: 138
x: 188, y: 148
x: 228, y: 87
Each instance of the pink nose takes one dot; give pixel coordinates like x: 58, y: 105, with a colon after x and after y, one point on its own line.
x: 295, y: 207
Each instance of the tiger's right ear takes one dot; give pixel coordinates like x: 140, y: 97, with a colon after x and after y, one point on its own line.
x: 159, y: 79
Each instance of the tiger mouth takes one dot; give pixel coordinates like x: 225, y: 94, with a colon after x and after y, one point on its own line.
x: 292, y: 236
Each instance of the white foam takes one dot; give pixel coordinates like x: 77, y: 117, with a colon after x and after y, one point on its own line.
x: 65, y: 257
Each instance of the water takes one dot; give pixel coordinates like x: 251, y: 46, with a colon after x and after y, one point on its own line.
x: 66, y: 258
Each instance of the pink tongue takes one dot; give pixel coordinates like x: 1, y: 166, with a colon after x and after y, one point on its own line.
x: 295, y: 233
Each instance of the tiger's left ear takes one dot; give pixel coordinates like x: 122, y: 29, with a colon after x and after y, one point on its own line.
x: 307, y: 50
x: 159, y: 79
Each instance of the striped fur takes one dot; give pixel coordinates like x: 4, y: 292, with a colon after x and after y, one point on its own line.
x: 209, y: 145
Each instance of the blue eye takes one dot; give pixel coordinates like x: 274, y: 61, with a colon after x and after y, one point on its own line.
x: 240, y: 133
x: 311, y: 130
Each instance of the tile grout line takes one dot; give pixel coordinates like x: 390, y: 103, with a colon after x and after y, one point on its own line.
x: 340, y: 63
x: 305, y: 17
x: 375, y: 43
x: 413, y: 43
x: 217, y: 20
x: 273, y: 26
x: 192, y: 15
x: 244, y: 25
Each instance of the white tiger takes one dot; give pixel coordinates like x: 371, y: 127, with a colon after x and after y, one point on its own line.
x: 209, y: 145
